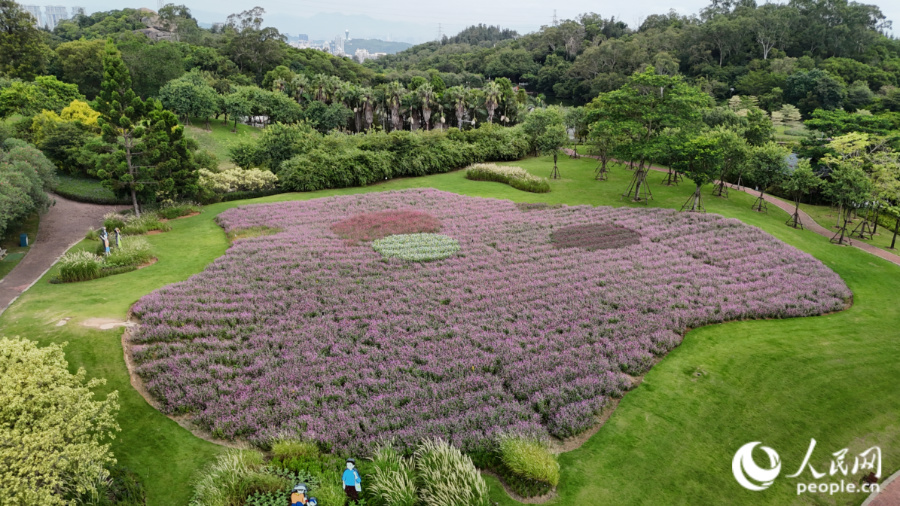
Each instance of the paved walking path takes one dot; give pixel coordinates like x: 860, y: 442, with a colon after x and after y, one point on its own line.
x: 60, y: 228
x: 807, y: 221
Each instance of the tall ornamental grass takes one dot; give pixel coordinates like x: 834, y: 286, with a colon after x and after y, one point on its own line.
x: 516, y: 177
x: 530, y: 458
x: 233, y: 477
x: 446, y: 476
x: 79, y: 266
x: 132, y: 251
x: 393, y: 481
x: 130, y: 224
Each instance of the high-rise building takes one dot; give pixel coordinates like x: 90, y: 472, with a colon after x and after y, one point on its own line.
x: 53, y: 14
x: 77, y: 11
x: 347, y: 34
x: 35, y: 11
x: 303, y: 36
x: 338, y: 49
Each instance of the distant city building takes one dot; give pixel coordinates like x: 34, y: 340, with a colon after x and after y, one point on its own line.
x: 347, y: 33
x: 300, y: 44
x: 362, y: 55
x: 303, y: 36
x: 77, y: 11
x: 337, y: 47
x: 35, y: 11
x: 53, y: 14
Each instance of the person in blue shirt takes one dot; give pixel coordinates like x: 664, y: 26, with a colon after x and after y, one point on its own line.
x: 352, y: 481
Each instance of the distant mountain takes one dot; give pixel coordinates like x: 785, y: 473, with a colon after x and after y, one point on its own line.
x: 375, y: 46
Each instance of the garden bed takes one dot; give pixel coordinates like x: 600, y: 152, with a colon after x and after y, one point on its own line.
x: 304, y: 333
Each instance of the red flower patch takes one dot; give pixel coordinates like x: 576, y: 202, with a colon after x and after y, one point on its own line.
x: 373, y: 226
x: 594, y: 237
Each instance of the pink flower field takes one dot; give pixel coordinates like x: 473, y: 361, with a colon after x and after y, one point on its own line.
x: 305, y: 333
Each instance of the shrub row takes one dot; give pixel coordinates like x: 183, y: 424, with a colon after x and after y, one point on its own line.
x: 84, y: 266
x: 516, y: 177
x: 306, y: 160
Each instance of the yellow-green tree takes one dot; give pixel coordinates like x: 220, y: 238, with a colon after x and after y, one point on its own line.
x: 53, y: 433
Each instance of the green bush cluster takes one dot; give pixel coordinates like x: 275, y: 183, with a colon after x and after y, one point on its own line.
x: 172, y: 210
x: 79, y: 266
x: 132, y: 251
x: 234, y: 477
x: 25, y: 174
x: 130, y: 224
x: 306, y: 160
x: 516, y: 177
x: 530, y: 458
x: 84, y: 266
x: 523, y: 462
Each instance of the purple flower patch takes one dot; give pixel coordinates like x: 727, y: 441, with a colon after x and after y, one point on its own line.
x: 303, y: 333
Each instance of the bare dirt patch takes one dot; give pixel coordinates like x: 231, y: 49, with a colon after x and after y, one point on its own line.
x: 105, y: 323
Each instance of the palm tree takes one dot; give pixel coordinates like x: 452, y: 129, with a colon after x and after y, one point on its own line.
x: 320, y: 87
x: 410, y: 101
x: 458, y: 98
x: 492, y: 94
x: 393, y: 94
x: 367, y: 104
x: 426, y: 98
x: 299, y: 85
x: 352, y: 98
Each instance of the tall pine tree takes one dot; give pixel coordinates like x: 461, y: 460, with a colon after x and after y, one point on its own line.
x: 150, y: 156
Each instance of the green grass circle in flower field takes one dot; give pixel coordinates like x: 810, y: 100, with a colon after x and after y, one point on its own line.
x: 417, y: 247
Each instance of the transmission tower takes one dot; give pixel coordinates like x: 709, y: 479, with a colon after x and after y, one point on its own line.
x: 555, y: 21
x: 440, y: 33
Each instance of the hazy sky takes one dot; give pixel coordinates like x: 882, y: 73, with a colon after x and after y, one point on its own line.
x: 420, y: 19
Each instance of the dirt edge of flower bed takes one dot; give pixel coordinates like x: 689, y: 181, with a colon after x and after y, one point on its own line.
x: 138, y: 384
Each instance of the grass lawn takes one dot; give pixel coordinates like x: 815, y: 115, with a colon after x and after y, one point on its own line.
x: 84, y: 189
x: 671, y: 440
x: 10, y: 242
x: 827, y: 217
x: 794, y: 132
x: 219, y: 139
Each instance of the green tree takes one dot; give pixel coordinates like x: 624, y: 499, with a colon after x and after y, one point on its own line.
x: 81, y: 62
x: 767, y: 165
x: 187, y: 97
x: 812, y: 90
x: 57, y: 433
x: 546, y: 131
x: 149, y: 155
x: 646, y: 105
x: 23, y: 52
x: 700, y: 158
x: 253, y: 47
x: 802, y: 181
x: 25, y: 175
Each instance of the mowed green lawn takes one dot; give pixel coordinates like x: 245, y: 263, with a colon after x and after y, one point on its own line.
x: 671, y: 440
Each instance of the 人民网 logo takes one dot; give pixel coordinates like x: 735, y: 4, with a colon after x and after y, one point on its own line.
x: 748, y: 473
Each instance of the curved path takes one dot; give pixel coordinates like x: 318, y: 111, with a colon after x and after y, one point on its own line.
x: 61, y: 227
x: 807, y: 221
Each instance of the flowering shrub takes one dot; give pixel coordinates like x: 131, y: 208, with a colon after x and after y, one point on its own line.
x: 302, y: 333
x: 517, y: 177
x: 417, y: 247
x: 592, y: 237
x: 372, y: 226
x: 236, y: 179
